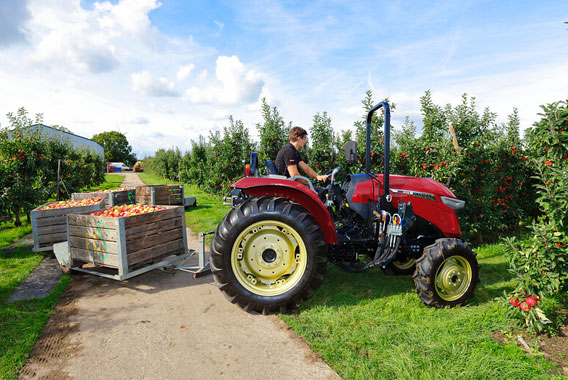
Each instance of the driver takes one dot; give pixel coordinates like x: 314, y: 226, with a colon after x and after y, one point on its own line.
x: 288, y: 159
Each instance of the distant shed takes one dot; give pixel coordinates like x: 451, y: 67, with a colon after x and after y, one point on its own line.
x: 75, y: 140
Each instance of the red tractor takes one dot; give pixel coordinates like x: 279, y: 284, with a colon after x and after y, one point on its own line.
x: 271, y: 250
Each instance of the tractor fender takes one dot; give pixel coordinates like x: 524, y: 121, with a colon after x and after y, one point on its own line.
x: 296, y: 192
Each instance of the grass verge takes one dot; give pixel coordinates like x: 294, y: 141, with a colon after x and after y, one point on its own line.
x: 373, y: 326
x: 112, y: 181
x: 10, y: 233
x: 21, y: 322
x: 201, y: 218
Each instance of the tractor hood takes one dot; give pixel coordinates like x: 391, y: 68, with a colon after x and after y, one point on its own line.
x: 423, y: 185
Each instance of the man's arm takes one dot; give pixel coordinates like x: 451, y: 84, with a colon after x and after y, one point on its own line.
x: 309, y: 171
x: 293, y: 171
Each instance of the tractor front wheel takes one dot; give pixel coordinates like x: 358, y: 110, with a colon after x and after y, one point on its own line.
x: 268, y: 255
x: 447, y: 273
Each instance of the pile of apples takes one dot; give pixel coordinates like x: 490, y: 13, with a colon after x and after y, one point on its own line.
x: 127, y: 210
x: 65, y: 204
x: 113, y: 190
x: 527, y: 304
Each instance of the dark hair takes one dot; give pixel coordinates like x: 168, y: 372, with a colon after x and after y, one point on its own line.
x: 296, y: 133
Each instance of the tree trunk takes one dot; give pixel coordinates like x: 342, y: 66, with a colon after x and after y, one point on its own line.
x: 17, y: 222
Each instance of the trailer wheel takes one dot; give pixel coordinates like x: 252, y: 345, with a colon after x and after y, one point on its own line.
x: 447, y: 273
x: 268, y: 255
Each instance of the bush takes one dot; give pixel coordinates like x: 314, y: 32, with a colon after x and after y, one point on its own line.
x: 541, y: 262
x: 28, y: 166
x: 483, y: 164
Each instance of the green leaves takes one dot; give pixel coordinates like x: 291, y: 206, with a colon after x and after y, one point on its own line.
x: 28, y: 166
x: 116, y: 147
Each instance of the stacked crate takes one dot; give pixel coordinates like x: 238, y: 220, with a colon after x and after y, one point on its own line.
x: 160, y: 195
x: 111, y: 198
x: 50, y: 226
x: 126, y: 243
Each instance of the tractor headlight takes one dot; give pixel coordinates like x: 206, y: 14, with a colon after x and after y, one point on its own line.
x: 453, y: 203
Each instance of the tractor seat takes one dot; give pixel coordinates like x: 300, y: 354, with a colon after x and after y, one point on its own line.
x: 270, y: 168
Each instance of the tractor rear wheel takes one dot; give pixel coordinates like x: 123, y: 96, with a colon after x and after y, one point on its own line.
x: 268, y: 255
x: 447, y: 273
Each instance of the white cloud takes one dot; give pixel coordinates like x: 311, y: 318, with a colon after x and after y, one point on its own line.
x: 238, y: 85
x: 145, y: 83
x: 13, y: 16
x: 356, y: 111
x: 96, y: 40
x: 220, y: 25
x: 220, y: 114
x: 140, y: 120
x: 202, y: 75
x: 128, y: 16
x: 184, y: 71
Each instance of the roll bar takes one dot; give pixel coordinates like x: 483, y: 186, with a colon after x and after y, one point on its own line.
x: 386, y: 107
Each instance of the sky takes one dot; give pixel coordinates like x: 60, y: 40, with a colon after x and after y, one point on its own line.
x: 165, y: 72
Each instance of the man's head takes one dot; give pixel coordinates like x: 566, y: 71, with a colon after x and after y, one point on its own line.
x: 299, y: 136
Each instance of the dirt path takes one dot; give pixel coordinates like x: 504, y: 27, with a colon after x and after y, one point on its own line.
x: 131, y: 179
x: 165, y: 326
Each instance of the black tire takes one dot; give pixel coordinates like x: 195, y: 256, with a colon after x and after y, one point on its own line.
x: 230, y: 232
x: 438, y: 273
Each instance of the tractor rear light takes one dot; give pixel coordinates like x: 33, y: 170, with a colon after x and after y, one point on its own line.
x: 453, y: 203
x: 247, y: 169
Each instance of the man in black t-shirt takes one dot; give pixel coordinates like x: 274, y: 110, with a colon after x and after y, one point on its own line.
x: 288, y: 160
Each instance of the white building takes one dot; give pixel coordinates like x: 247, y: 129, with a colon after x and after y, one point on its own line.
x: 75, y: 140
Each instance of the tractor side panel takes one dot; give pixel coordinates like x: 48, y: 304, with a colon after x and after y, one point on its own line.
x: 435, y: 212
x: 296, y: 192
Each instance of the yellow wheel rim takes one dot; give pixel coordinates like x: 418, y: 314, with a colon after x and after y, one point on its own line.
x: 406, y: 264
x: 453, y: 278
x: 269, y: 258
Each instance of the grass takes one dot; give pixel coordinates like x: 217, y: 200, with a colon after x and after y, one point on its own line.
x: 112, y: 181
x: 22, y: 322
x: 201, y: 218
x: 373, y: 326
x: 10, y: 233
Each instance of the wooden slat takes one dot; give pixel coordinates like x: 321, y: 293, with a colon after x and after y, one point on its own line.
x: 110, y: 260
x: 152, y: 228
x: 143, y: 190
x: 52, y: 229
x: 93, y: 232
x: 52, y: 238
x: 144, y: 255
x: 51, y: 221
x: 92, y: 221
x: 136, y: 220
x: 154, y: 259
x: 93, y: 244
x: 153, y: 240
x: 118, y: 198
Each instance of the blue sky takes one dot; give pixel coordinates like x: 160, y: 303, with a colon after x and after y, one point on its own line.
x: 166, y: 72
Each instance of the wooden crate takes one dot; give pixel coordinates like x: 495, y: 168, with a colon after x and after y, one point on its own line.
x: 126, y: 243
x: 111, y: 198
x: 50, y: 226
x: 160, y: 195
